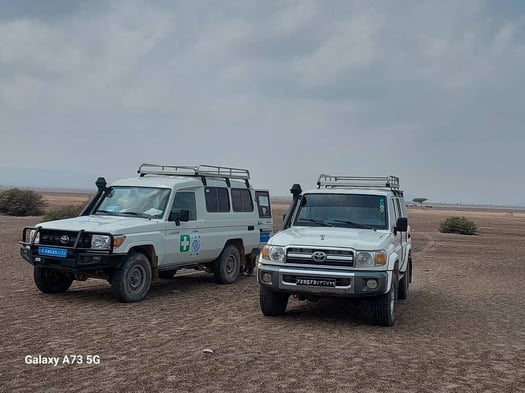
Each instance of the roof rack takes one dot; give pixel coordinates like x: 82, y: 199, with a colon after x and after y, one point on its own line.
x: 331, y: 181
x: 201, y: 171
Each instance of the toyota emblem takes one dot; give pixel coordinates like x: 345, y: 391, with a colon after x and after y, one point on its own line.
x: 319, y: 256
x: 64, y: 239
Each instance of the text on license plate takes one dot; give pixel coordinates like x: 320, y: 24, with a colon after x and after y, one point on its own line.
x: 52, y: 252
x: 316, y: 282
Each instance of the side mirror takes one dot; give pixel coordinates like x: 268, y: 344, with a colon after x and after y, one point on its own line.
x: 179, y: 215
x: 401, y: 224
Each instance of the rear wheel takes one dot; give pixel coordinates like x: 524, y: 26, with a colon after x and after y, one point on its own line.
x: 273, y: 303
x: 51, y: 280
x: 384, y: 306
x: 132, y: 281
x: 227, y: 267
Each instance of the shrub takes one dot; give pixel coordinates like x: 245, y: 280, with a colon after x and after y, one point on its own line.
x: 18, y: 202
x: 459, y: 225
x: 62, y: 212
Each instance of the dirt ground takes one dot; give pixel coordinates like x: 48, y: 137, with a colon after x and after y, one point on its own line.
x: 461, y: 330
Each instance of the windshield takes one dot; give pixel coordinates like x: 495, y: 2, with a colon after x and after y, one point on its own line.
x: 135, y: 201
x: 343, y: 210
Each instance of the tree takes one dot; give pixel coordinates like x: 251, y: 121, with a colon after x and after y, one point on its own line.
x: 419, y: 200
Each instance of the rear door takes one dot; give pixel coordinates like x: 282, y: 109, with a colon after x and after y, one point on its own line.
x: 264, y: 208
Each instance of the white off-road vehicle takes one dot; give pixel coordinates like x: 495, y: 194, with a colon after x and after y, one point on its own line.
x: 349, y: 237
x: 138, y: 229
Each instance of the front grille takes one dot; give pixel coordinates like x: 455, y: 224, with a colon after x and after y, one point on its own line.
x: 58, y: 238
x: 320, y: 256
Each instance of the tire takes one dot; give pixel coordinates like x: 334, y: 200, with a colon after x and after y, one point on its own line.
x: 228, y: 266
x: 132, y: 281
x: 404, y: 283
x: 51, y: 280
x: 272, y: 303
x: 384, y: 307
x: 167, y: 273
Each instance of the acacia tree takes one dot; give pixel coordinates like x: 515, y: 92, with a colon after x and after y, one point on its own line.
x: 419, y: 200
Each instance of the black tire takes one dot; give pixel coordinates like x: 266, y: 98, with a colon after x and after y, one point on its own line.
x: 227, y: 267
x: 132, y: 281
x: 51, y: 280
x: 273, y: 303
x: 404, y: 283
x: 384, y: 307
x: 167, y: 273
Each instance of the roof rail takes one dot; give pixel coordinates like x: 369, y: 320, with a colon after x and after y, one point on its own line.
x: 331, y: 181
x: 201, y: 171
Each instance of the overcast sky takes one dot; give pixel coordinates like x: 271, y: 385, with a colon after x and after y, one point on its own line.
x: 430, y: 91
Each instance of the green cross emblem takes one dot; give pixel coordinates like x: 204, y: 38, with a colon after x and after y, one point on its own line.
x: 184, y: 243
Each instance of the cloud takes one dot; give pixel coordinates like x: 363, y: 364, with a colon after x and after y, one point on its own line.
x: 424, y: 90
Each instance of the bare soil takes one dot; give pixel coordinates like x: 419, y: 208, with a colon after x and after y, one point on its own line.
x: 461, y: 330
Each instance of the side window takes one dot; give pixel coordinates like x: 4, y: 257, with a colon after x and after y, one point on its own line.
x: 400, y: 211
x: 185, y: 200
x: 241, y: 200
x: 263, y: 204
x: 217, y: 199
x: 397, y: 208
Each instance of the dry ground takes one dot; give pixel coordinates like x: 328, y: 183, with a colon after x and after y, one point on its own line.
x: 461, y: 330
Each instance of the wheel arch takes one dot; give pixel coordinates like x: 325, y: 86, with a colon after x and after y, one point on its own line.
x: 149, y: 251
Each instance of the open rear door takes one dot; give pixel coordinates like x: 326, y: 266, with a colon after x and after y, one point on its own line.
x: 262, y: 197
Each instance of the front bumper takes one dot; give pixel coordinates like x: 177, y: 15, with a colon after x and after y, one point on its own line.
x: 347, y: 283
x: 73, y: 262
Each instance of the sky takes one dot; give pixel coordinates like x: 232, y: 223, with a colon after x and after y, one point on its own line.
x: 430, y: 91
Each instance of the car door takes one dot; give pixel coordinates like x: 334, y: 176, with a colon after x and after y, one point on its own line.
x: 262, y: 199
x: 183, y: 241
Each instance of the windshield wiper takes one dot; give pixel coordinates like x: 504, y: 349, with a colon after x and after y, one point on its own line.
x: 319, y: 222
x: 143, y: 215
x: 105, y: 212
x: 355, y: 224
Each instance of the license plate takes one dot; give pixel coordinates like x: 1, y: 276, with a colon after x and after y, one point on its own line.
x: 52, y: 252
x: 316, y: 282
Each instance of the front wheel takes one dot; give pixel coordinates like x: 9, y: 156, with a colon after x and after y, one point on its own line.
x: 51, y: 280
x: 273, y: 303
x: 132, y: 281
x: 227, y: 267
x: 384, y: 306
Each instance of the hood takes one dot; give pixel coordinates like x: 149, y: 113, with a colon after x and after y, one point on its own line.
x: 101, y: 223
x: 358, y: 239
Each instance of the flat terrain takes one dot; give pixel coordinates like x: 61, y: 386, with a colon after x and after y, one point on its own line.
x: 461, y: 330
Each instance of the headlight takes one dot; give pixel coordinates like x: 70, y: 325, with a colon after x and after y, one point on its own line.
x: 370, y: 259
x: 273, y: 253
x: 32, y: 234
x: 100, y: 242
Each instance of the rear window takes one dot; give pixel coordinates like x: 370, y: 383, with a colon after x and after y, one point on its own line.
x: 217, y: 199
x: 241, y: 200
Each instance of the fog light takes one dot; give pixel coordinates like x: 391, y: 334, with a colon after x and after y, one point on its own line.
x: 266, y: 278
x: 371, y: 284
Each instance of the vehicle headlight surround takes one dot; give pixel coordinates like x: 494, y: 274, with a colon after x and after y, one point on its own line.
x: 100, y: 242
x: 371, y: 259
x: 274, y: 253
x: 32, y: 235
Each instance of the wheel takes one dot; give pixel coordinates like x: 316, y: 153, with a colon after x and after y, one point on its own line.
x: 167, y: 273
x: 227, y: 267
x: 51, y: 280
x: 131, y: 282
x: 404, y: 283
x: 384, y: 306
x: 272, y: 303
